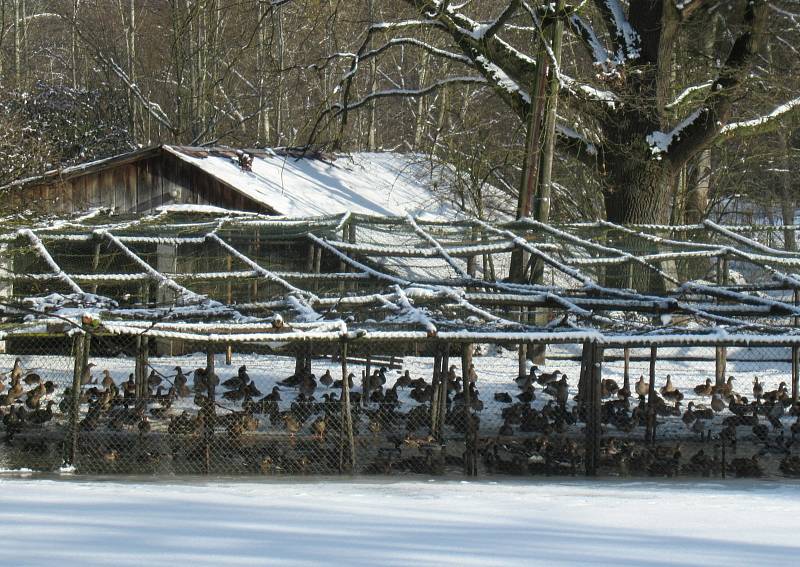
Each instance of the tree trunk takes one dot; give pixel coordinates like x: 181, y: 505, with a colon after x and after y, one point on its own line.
x: 788, y: 199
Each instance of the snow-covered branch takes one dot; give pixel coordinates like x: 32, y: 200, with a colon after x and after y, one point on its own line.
x: 763, y: 124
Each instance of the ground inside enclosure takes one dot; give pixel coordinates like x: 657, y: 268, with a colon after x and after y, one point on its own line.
x: 506, y: 445
x: 380, y: 522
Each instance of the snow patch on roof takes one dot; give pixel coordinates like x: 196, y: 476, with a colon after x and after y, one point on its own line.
x: 371, y: 183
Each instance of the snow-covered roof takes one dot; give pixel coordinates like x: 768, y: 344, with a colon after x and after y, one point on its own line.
x: 292, y: 184
x: 380, y: 183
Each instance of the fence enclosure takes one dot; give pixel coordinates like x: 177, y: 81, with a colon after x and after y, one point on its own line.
x: 208, y: 344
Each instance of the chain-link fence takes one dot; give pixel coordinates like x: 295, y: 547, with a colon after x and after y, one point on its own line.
x: 126, y: 404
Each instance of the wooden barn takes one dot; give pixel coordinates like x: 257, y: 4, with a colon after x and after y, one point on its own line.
x: 276, y: 182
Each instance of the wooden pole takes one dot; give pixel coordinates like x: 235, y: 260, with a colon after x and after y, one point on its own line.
x: 443, y: 380
x: 435, y: 396
x: 229, y: 347
x: 626, y: 369
x: 347, y: 418
x: 470, y: 446
x: 593, y: 374
x: 795, y: 372
x: 650, y: 434
x: 80, y: 362
x: 721, y: 352
x: 796, y: 354
x: 210, y: 410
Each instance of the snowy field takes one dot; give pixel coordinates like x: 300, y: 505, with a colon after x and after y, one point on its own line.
x: 82, y: 522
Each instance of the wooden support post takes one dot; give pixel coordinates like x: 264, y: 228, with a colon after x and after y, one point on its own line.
x: 229, y: 294
x: 721, y: 352
x: 96, y: 261
x: 210, y: 410
x: 435, y: 397
x: 140, y: 373
x: 796, y: 354
x: 80, y: 361
x: 470, y: 437
x: 591, y: 371
x: 720, y: 365
x: 347, y: 418
x: 650, y: 434
x: 626, y: 368
x: 443, y: 379
x: 310, y: 258
x: 795, y: 372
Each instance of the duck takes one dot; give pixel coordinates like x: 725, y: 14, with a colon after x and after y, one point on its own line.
x: 758, y: 389
x: 32, y: 378
x: 41, y: 416
x: 704, y: 389
x: 251, y: 391
x: 699, y: 427
x: 668, y: 387
x: 546, y: 378
x: 777, y: 395
x: 688, y: 416
x: 506, y: 430
x: 182, y: 389
x: 308, y: 385
x: 144, y: 426
x: 154, y: 380
x: 526, y: 396
x: 108, y: 381
x: 326, y: 379
x: 16, y: 369
x: 340, y: 383
x: 608, y: 388
x: 86, y: 375
x: 291, y: 423
x: 274, y: 396
x: 318, y: 427
x: 674, y: 396
x: 717, y: 403
x: 503, y: 397
x: 404, y: 381
x: 129, y: 387
x: 642, y: 387
x: 726, y: 389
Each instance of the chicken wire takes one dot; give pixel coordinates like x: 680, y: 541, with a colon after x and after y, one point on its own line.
x: 148, y: 407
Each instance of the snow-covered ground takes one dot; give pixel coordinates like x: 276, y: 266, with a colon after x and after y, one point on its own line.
x: 65, y: 522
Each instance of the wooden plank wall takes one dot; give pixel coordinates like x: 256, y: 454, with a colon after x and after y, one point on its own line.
x: 137, y: 187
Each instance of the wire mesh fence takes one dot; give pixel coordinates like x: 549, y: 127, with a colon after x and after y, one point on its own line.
x: 137, y: 404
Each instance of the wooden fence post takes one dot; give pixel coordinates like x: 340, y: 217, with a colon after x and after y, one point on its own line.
x: 435, y: 395
x: 210, y: 410
x: 346, y: 436
x: 721, y: 352
x: 650, y: 433
x: 80, y: 361
x: 470, y: 444
x: 591, y: 371
x: 796, y: 354
x: 443, y: 383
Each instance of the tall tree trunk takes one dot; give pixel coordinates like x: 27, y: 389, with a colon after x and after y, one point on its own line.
x: 17, y: 43
x: 373, y: 86
x: 788, y: 198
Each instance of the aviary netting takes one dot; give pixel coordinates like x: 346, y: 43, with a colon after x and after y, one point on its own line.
x: 194, y: 275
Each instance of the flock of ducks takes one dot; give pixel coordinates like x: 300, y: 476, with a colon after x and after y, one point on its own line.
x: 24, y: 398
x: 761, y: 415
x: 307, y: 403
